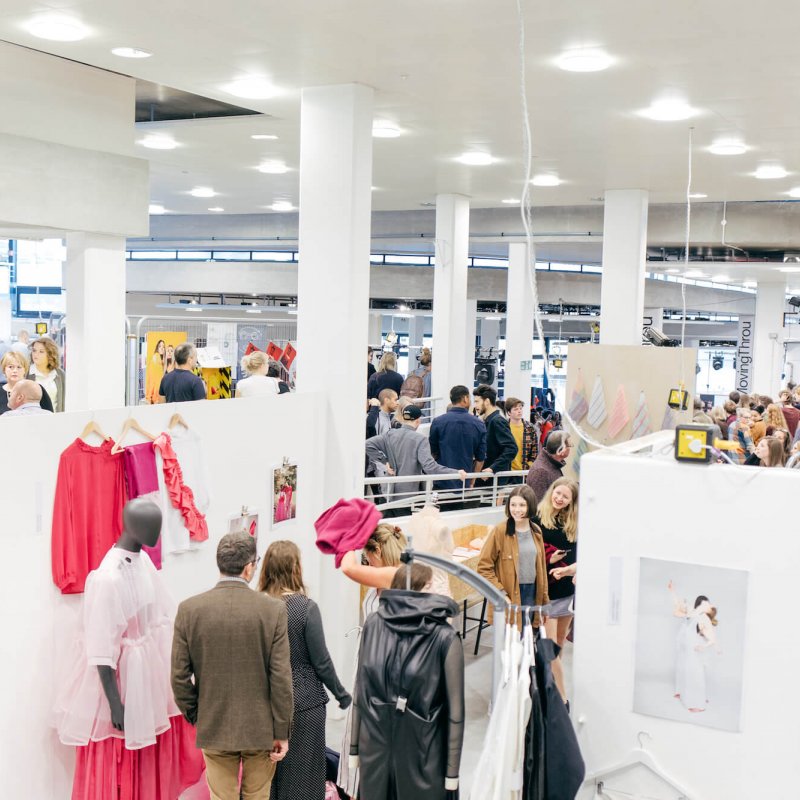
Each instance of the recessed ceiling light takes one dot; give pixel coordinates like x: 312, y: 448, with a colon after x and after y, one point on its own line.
x: 263, y: 136
x: 694, y: 273
x: 669, y: 109
x: 750, y: 284
x: 794, y: 192
x: 728, y: 147
x: 272, y: 167
x: 203, y: 191
x: 511, y: 200
x: 130, y: 52
x: 721, y: 278
x: 58, y: 28
x: 383, y: 129
x: 584, y: 59
x: 672, y: 271
x: 697, y: 196
x: 254, y: 309
x: 156, y: 208
x: 282, y: 205
x: 546, y: 179
x: 476, y: 158
x: 158, y: 141
x: 216, y: 208
x: 252, y: 88
x: 770, y: 172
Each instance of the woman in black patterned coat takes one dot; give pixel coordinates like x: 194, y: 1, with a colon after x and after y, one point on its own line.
x: 301, y: 774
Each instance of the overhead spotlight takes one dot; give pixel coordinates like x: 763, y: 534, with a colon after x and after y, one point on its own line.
x: 130, y: 52
x: 202, y: 191
x: 770, y: 172
x: 546, y: 179
x: 156, y: 208
x: 272, y: 167
x: 697, y: 196
x: 476, y: 158
x: 794, y: 192
x: 383, y: 129
x: 263, y: 136
x: 216, y: 209
x: 57, y: 28
x: 282, y: 205
x: 158, y: 141
x: 584, y: 59
x: 511, y: 201
x: 794, y: 302
x: 251, y: 88
x: 669, y: 109
x: 717, y: 362
x: 728, y: 147
x: 658, y: 339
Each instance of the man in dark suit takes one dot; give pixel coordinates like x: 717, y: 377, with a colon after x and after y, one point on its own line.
x: 234, y: 643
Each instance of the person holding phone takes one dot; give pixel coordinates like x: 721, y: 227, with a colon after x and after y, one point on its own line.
x: 557, y: 516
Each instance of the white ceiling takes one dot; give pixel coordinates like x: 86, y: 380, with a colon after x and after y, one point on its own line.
x: 447, y: 72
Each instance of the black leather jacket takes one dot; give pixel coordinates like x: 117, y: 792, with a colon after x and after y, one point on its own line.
x: 408, y: 715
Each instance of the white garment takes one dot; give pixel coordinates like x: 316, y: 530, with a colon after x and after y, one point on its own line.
x: 188, y: 447
x: 432, y: 535
x: 690, y: 673
x: 127, y: 625
x: 27, y: 410
x: 47, y: 380
x: 257, y: 386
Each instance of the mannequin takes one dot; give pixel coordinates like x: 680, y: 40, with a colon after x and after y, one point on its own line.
x: 141, y: 526
x: 115, y: 705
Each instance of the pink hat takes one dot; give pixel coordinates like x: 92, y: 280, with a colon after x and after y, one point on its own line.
x: 346, y: 526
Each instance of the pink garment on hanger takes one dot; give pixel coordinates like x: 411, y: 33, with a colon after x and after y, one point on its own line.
x: 141, y: 477
x: 162, y: 771
x: 179, y: 493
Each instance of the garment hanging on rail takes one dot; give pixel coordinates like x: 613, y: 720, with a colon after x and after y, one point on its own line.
x: 87, y: 511
x: 141, y: 478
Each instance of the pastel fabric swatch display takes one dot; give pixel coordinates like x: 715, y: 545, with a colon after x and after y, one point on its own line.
x: 597, y: 405
x: 641, y: 419
x: 619, y: 414
x: 670, y: 420
x: 580, y: 451
x: 578, y: 407
x: 141, y: 477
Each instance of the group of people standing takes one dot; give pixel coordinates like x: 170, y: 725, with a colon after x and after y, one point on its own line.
x: 35, y: 384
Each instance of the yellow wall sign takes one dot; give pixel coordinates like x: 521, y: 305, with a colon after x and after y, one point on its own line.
x: 41, y: 329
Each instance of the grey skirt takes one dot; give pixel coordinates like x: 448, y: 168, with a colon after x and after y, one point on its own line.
x: 561, y: 607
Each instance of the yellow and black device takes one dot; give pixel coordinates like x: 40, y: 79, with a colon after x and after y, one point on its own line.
x: 678, y: 399
x: 41, y: 329
x: 693, y: 443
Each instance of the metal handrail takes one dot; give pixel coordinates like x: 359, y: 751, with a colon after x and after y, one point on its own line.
x: 466, y: 492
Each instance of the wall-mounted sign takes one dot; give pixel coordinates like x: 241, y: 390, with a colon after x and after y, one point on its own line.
x: 41, y: 329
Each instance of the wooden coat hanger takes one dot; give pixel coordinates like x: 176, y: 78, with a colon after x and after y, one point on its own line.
x: 130, y: 425
x: 177, y: 419
x: 93, y: 427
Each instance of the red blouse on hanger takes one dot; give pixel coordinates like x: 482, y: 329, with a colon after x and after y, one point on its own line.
x: 87, y: 512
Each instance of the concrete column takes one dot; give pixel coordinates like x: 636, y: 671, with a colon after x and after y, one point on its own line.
x: 490, y: 333
x: 519, y: 324
x: 622, y: 285
x: 416, y: 331
x: 94, y: 280
x: 374, y: 335
x: 333, y: 296
x: 768, y: 337
x: 451, y: 318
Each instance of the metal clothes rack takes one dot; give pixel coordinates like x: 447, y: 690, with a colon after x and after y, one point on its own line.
x: 477, y: 582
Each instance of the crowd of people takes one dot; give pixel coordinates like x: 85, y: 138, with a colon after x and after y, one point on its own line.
x: 763, y: 432
x: 34, y: 382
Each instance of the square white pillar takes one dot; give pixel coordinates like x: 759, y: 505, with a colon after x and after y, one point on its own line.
x: 94, y: 281
x: 519, y: 325
x: 767, y: 340
x: 470, y: 336
x: 452, y: 320
x: 624, y: 252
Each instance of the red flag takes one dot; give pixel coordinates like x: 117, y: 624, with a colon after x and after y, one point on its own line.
x: 251, y: 348
x: 274, y: 352
x: 288, y: 356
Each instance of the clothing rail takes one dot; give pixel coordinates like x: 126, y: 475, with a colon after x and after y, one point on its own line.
x: 486, y: 493
x: 475, y: 581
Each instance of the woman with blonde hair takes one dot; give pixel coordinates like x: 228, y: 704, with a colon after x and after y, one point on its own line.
x: 557, y: 516
x: 15, y: 367
x: 386, y: 377
x: 257, y: 383
x: 774, y: 418
x: 302, y: 771
x: 47, y: 372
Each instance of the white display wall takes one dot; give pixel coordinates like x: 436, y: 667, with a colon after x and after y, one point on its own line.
x: 243, y: 441
x: 716, y: 516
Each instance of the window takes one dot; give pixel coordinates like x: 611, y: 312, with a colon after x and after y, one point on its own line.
x: 273, y: 255
x: 194, y: 255
x: 153, y: 255
x: 231, y: 255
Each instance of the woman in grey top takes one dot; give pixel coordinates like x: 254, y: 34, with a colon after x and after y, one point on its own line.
x: 301, y: 775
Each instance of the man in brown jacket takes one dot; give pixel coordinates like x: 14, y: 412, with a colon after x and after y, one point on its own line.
x: 232, y: 677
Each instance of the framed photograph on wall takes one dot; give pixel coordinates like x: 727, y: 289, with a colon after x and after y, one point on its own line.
x: 690, y: 643
x: 284, y: 493
x: 246, y: 521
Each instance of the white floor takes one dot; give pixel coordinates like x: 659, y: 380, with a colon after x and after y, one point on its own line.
x: 477, y: 680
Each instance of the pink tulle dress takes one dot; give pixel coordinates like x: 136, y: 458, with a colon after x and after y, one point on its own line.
x: 127, y: 625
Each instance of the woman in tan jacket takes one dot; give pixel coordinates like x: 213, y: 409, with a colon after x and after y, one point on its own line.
x: 513, y: 558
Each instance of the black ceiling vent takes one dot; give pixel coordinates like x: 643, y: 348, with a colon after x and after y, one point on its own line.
x: 157, y: 103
